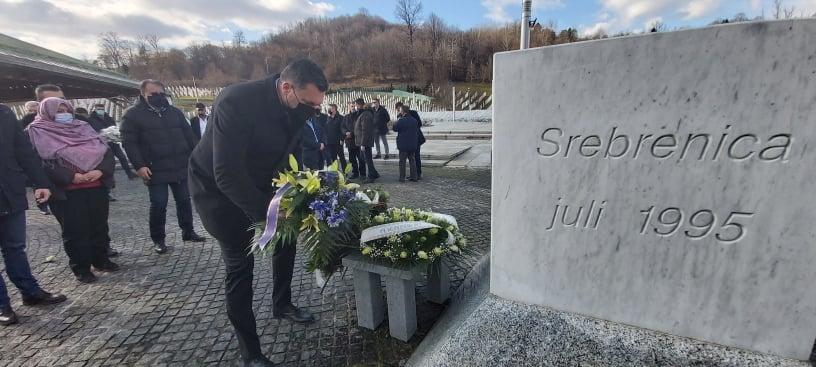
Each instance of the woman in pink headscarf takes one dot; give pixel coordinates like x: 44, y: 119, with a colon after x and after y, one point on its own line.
x: 81, y: 166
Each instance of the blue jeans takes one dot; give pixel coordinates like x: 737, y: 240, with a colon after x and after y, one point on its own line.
x: 12, y: 244
x: 159, y: 194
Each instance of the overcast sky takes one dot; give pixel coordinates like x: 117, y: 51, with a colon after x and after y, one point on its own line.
x: 72, y: 26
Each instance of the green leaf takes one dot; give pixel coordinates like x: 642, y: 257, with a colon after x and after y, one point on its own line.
x: 348, y: 169
x: 293, y: 163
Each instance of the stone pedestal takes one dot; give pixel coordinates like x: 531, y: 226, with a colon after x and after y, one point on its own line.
x: 400, y: 287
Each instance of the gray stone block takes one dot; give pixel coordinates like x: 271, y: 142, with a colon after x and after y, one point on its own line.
x: 402, y: 321
x: 439, y: 283
x: 369, y: 299
x: 357, y: 261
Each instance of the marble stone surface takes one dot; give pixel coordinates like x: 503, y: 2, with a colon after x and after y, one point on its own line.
x: 686, y: 161
x: 501, y: 332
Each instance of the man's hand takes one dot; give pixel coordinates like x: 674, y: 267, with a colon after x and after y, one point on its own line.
x: 144, y: 173
x: 322, y: 146
x: 79, y: 178
x: 348, y: 135
x: 42, y: 195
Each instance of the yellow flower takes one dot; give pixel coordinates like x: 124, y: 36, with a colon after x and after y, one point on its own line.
x: 379, y: 219
x: 366, y: 250
x: 434, y: 230
x: 311, y: 183
x: 437, y: 251
x: 352, y: 186
x: 310, y: 222
x: 422, y: 255
x: 284, y: 178
x: 403, y: 254
x: 387, y: 253
x: 293, y: 163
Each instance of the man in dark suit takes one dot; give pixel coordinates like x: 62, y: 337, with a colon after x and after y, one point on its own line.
x: 358, y: 167
x: 313, y: 144
x: 334, y: 136
x: 99, y: 119
x: 417, y: 158
x: 199, y: 122
x: 18, y: 160
x: 255, y: 127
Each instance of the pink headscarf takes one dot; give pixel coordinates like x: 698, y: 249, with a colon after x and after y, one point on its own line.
x: 75, y: 144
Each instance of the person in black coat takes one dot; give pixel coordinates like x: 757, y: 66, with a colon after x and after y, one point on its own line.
x: 313, y: 144
x: 255, y: 127
x: 18, y: 162
x: 99, y: 119
x: 358, y: 166
x: 199, y: 122
x: 31, y: 108
x: 407, y: 129
x: 158, y: 140
x: 417, y: 154
x: 381, y: 120
x: 335, y: 136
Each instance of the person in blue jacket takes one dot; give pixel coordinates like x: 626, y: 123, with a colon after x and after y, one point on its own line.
x: 407, y: 128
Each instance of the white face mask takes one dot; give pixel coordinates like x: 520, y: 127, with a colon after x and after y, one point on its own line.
x: 64, y: 117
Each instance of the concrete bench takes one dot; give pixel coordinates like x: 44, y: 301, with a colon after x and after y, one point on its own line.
x: 400, y: 286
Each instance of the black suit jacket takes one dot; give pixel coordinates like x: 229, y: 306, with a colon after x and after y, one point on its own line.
x: 246, y: 146
x: 195, y: 123
x: 17, y: 160
x: 310, y: 142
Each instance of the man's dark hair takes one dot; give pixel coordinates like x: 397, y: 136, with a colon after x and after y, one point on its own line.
x: 375, y: 100
x: 333, y: 105
x: 303, y: 72
x: 80, y: 110
x: 359, y: 102
x: 99, y: 105
x: 398, y: 105
x: 143, y: 85
x: 45, y: 88
x: 405, y: 108
x: 200, y: 106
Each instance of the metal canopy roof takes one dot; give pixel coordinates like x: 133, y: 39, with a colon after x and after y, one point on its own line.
x: 23, y: 66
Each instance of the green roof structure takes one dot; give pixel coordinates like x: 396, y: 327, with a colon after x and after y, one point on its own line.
x: 23, y: 66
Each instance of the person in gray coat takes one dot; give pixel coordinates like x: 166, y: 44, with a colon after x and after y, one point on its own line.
x: 365, y: 131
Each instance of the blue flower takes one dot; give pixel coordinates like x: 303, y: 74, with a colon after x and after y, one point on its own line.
x: 336, y: 219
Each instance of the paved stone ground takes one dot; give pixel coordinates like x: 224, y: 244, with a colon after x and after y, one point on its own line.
x: 169, y: 309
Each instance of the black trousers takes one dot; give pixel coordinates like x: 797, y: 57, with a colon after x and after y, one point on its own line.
x: 159, y: 195
x: 411, y: 158
x: 229, y: 226
x: 83, y: 218
x: 358, y: 167
x: 336, y: 153
x: 120, y: 154
x: 418, y: 161
x: 367, y: 161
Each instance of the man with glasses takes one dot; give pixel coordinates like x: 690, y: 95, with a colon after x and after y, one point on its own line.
x: 255, y: 126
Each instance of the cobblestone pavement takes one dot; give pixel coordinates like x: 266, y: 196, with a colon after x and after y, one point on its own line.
x: 169, y: 309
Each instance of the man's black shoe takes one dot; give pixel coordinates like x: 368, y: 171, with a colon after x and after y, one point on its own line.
x: 193, y: 237
x: 377, y: 156
x: 112, y: 252
x: 7, y: 316
x: 258, y: 362
x: 108, y: 267
x: 87, y: 278
x: 159, y: 247
x: 44, y: 298
x: 295, y: 314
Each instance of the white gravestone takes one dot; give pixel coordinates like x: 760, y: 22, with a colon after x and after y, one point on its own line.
x: 666, y: 181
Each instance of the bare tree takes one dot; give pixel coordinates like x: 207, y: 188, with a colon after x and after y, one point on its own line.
x: 238, y: 39
x: 112, y: 50
x: 781, y: 12
x: 408, y: 11
x: 153, y: 42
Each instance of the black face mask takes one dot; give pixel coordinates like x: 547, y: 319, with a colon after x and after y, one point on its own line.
x: 302, y: 112
x: 158, y: 100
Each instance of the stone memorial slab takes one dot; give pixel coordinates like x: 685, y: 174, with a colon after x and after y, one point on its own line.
x: 664, y: 181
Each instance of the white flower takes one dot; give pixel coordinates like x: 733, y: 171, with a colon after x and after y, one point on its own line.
x: 403, y: 254
x: 366, y: 250
x: 387, y: 253
x: 454, y: 248
x: 437, y: 251
x: 422, y: 255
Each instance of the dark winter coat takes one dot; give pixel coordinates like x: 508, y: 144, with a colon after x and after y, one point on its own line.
x: 98, y: 123
x: 381, y: 119
x: 415, y: 115
x: 407, y: 129
x: 161, y: 141
x: 364, y: 130
x: 195, y: 124
x: 334, y: 130
x: 63, y: 177
x: 311, y: 156
x: 18, y: 160
x: 248, y: 143
x: 27, y: 119
x: 348, y: 126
